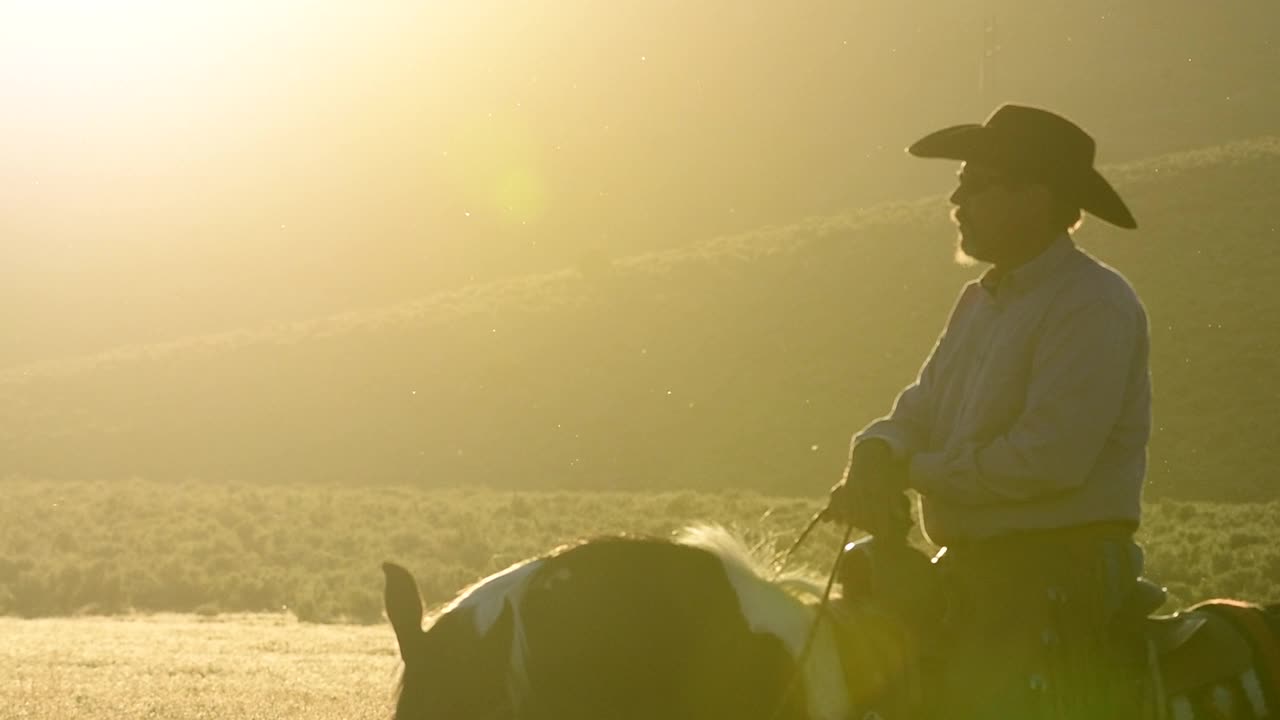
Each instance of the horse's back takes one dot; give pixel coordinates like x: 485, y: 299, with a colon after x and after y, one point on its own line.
x: 645, y: 628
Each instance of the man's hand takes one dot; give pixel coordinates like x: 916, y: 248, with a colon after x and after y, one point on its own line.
x: 870, y: 496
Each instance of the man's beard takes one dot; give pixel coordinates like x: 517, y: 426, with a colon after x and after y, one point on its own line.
x: 962, y: 257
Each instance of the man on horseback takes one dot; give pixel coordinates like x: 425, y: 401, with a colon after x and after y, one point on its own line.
x: 1025, y: 435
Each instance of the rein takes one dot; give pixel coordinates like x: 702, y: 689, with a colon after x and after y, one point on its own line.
x: 813, y: 523
x: 819, y: 613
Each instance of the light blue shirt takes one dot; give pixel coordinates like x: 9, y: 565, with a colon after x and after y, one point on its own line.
x: 1034, y: 409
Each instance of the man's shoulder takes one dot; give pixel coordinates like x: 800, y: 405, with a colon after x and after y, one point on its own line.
x: 971, y: 295
x: 1092, y: 281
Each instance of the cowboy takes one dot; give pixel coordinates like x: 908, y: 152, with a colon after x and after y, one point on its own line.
x: 1025, y: 434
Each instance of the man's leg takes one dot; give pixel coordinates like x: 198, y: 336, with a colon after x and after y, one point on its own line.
x: 1035, y: 635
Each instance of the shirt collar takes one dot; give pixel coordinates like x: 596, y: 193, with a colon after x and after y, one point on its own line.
x: 1031, y: 273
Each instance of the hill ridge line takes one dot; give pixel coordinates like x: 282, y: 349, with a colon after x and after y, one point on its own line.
x: 467, y: 300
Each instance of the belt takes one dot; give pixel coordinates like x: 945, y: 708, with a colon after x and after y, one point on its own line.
x: 1038, y: 544
x: 1100, y: 559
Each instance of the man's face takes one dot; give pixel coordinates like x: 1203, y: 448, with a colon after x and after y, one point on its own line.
x: 991, y: 212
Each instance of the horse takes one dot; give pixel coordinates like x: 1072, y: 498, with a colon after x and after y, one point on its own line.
x: 698, y: 627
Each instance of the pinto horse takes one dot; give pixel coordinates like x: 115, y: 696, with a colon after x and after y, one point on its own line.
x: 694, y: 627
x: 698, y: 628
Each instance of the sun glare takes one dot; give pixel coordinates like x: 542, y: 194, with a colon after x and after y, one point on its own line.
x: 114, y: 55
x: 85, y: 63
x: 61, y: 40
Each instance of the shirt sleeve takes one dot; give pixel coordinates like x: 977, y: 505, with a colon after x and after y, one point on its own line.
x: 906, y: 428
x: 1079, y: 374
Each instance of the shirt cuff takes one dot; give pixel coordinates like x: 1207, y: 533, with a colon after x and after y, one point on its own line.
x: 926, y: 471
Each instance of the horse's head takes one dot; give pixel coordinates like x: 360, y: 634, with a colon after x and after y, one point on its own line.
x: 452, y: 669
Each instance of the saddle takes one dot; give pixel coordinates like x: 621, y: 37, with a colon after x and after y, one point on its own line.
x: 1166, y: 634
x: 1195, y: 657
x: 1216, y: 647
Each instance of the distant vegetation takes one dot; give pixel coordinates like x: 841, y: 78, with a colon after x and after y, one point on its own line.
x: 109, y: 548
x: 741, y: 362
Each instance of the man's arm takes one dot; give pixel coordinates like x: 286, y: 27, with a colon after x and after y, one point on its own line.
x: 869, y: 494
x: 907, y: 427
x: 1079, y: 376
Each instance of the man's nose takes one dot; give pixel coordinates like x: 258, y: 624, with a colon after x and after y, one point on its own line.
x: 956, y: 196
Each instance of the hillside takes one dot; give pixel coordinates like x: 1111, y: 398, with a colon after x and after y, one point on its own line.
x: 743, y: 361
x: 370, y: 154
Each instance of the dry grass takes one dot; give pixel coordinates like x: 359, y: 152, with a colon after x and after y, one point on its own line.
x: 242, y: 666
x: 238, y: 667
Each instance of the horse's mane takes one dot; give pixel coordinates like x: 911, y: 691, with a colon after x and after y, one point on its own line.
x: 757, y: 560
x: 800, y: 582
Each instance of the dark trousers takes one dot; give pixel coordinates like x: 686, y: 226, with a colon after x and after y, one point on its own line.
x: 1032, y: 628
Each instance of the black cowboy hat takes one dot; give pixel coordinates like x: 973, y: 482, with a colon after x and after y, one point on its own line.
x: 1037, y: 145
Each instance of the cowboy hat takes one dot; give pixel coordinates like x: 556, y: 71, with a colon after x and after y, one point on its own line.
x: 1038, y: 145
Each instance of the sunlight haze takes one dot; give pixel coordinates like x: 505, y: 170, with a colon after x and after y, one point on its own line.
x: 290, y: 289
x: 435, y: 177
x: 255, y: 162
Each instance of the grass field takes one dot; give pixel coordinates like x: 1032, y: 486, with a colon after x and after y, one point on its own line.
x: 241, y: 667
x: 95, y: 568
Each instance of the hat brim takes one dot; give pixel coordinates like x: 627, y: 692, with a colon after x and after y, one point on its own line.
x: 976, y: 143
x: 958, y: 142
x: 1099, y: 199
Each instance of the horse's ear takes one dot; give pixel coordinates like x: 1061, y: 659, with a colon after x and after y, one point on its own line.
x: 404, y: 608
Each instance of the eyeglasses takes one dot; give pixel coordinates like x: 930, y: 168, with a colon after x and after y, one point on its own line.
x: 978, y: 180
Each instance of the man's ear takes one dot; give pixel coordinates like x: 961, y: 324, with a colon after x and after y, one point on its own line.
x: 1039, y: 200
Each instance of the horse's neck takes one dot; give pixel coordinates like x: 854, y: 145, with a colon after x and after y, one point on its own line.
x: 876, y: 649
